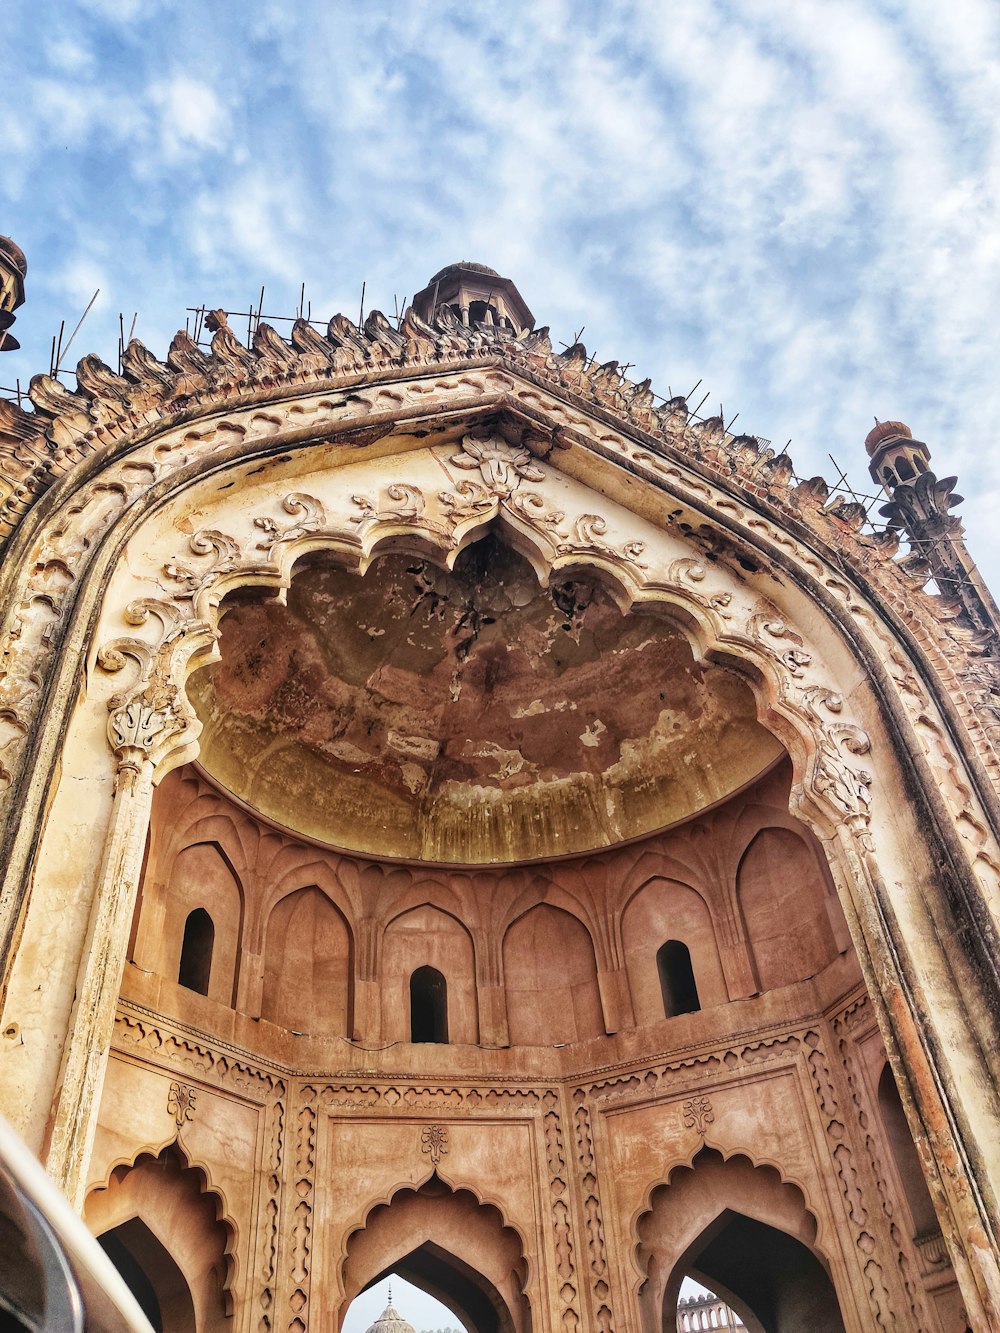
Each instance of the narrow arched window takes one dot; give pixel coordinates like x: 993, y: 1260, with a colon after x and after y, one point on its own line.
x: 196, y: 951
x: 905, y: 469
x: 428, y: 1006
x: 677, y: 984
x: 905, y: 1155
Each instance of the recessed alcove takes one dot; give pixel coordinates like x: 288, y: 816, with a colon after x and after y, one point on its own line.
x: 471, y: 715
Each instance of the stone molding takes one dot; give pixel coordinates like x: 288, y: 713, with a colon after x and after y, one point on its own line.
x: 117, y: 456
x: 682, y: 1086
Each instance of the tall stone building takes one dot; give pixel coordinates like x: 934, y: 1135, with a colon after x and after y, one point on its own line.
x: 467, y: 818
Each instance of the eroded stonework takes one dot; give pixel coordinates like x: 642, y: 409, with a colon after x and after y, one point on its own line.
x: 379, y: 712
x: 476, y: 821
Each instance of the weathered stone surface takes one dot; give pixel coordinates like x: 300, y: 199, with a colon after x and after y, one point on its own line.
x: 592, y: 843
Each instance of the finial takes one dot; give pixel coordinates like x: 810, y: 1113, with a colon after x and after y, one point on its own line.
x: 390, y: 1293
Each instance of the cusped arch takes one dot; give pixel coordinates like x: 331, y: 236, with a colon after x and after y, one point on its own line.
x: 682, y: 1210
x: 758, y: 655
x: 449, y: 1241
x: 796, y: 687
x: 173, y: 1197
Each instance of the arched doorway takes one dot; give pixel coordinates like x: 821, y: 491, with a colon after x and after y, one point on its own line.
x: 773, y: 1281
x: 151, y: 1274
x: 163, y: 1230
x: 451, y: 1246
x: 397, y: 1300
x: 743, y: 1233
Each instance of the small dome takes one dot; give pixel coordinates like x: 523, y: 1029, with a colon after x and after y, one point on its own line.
x: 390, y: 1321
x: 886, y: 430
x: 469, y: 266
x: 13, y: 252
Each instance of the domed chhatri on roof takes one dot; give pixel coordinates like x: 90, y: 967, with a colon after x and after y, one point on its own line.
x: 390, y: 1321
x: 896, y: 457
x: 470, y: 265
x: 477, y: 295
x: 13, y: 270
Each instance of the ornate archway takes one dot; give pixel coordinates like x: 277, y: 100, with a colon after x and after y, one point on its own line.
x: 147, y: 499
x: 445, y: 1241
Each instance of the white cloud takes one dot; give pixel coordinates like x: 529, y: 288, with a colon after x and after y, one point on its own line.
x: 190, y: 116
x: 796, y: 200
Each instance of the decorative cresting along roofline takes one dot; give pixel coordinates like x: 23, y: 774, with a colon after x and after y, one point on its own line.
x: 38, y: 447
x: 108, y: 412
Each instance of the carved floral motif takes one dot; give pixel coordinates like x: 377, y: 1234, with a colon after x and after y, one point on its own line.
x: 181, y: 1101
x: 434, y: 1142
x: 698, y: 1114
x: 502, y: 466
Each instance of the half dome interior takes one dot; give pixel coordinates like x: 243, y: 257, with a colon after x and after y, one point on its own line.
x: 468, y: 716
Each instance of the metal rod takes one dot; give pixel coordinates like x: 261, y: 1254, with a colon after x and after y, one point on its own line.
x: 64, y: 350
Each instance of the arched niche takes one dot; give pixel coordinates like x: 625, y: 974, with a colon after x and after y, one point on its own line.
x: 665, y: 910
x: 427, y: 937
x: 763, y: 1221
x: 199, y: 878
x: 160, y: 1219
x: 783, y: 901
x: 904, y: 1156
x: 307, y: 965
x: 550, y: 978
x: 457, y: 1249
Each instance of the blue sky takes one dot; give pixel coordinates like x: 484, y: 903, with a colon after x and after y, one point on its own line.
x: 794, y: 201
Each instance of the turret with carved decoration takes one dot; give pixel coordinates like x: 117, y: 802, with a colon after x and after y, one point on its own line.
x: 920, y: 505
x: 13, y: 270
x: 476, y: 295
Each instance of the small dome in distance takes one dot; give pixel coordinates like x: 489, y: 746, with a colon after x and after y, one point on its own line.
x: 390, y: 1321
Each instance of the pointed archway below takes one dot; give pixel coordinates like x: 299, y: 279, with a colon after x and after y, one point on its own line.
x: 772, y: 1280
x: 450, y: 1245
x: 744, y: 1233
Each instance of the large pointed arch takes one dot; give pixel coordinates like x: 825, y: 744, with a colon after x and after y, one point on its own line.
x: 760, y: 576
x: 452, y: 1245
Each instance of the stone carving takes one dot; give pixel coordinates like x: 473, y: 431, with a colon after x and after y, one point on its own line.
x: 592, y: 1210
x: 842, y: 1025
x: 698, y: 1114
x: 271, y: 1208
x: 502, y: 466
x: 302, y: 1212
x: 402, y: 502
x: 847, y: 1176
x: 154, y: 711
x: 181, y: 1102
x: 434, y: 1142
x: 847, y: 788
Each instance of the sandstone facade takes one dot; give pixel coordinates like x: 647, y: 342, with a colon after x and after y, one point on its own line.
x: 467, y: 819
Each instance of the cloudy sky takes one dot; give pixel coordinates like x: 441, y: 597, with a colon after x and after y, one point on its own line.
x: 794, y: 201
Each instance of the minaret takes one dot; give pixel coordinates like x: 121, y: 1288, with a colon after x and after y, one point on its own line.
x: 13, y: 270
x: 476, y: 295
x: 919, y: 505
